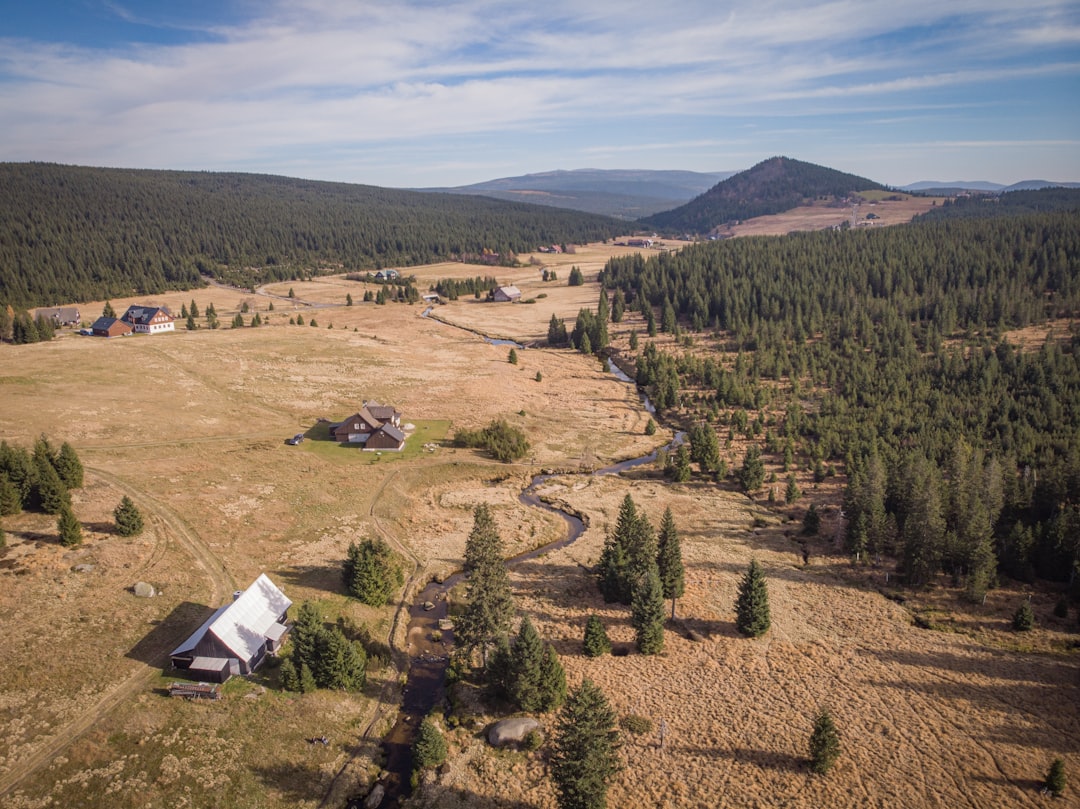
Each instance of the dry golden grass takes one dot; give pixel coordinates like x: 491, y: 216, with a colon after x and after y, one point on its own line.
x: 820, y: 217
x: 192, y: 424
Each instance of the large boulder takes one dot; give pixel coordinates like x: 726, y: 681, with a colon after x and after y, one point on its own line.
x: 511, y: 731
x: 375, y: 797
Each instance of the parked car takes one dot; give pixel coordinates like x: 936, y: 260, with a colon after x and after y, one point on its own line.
x: 296, y: 439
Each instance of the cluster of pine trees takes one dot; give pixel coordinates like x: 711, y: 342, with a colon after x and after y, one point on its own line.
x: 41, y: 481
x: 641, y: 569
x: 322, y: 656
x: 454, y: 288
x: 18, y: 327
x: 69, y: 233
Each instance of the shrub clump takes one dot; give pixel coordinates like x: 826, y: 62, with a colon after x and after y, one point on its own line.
x: 635, y: 723
x: 505, y: 442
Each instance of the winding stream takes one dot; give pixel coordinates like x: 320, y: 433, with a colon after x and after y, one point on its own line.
x: 428, y: 645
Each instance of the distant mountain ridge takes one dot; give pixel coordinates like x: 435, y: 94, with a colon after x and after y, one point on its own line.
x: 924, y: 186
x: 624, y: 193
x: 772, y: 186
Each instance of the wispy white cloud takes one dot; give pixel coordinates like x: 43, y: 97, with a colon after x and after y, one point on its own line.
x: 311, y: 77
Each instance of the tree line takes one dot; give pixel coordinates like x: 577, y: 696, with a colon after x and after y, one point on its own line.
x: 887, y: 353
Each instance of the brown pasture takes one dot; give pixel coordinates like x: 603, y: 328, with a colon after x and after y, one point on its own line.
x: 192, y: 426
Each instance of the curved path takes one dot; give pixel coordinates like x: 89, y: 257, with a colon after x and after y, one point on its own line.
x: 168, y: 527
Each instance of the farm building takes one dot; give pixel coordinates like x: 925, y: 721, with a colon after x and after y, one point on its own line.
x: 149, y: 319
x: 387, y: 437
x: 238, y: 636
x: 110, y: 327
x: 59, y: 315
x: 509, y: 293
x: 360, y: 427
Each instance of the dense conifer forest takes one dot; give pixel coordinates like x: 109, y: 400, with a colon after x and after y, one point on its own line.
x: 772, y: 186
x: 72, y: 234
x: 891, y: 354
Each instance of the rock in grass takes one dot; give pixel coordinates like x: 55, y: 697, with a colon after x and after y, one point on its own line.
x: 511, y: 731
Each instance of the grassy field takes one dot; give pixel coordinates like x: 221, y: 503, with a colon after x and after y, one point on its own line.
x: 192, y: 426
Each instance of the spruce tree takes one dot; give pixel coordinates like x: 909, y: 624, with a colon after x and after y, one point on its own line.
x: 526, y: 654
x: 535, y: 678
x: 1024, y: 617
x: 512, y: 357
x: 596, y: 643
x: 10, y: 500
x: 1055, y: 779
x: 669, y: 559
x: 824, y: 744
x: 69, y: 467
x: 52, y: 494
x: 752, y: 606
x: 307, y: 680
x: 340, y: 663
x: 585, y: 754
x: 305, y: 635
x: 370, y: 572
x: 129, y: 521
x: 193, y: 310
x: 429, y: 750
x: 3, y: 537
x: 288, y: 675
x: 108, y: 311
x: 647, y: 613
x: 69, y: 528
x: 489, y: 610
x: 811, y: 521
x: 792, y: 493
x: 483, y: 542
x: 752, y: 473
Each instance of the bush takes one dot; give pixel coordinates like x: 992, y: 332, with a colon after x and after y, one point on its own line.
x: 505, y: 442
x: 1024, y: 617
x: 534, y: 740
x: 824, y: 744
x: 429, y: 749
x: 596, y: 641
x: 1055, y: 779
x: 635, y: 723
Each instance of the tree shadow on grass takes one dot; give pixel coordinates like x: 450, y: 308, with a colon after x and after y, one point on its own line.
x: 168, y: 633
x: 296, y: 781
x: 314, y: 577
x: 768, y: 759
x: 437, y: 795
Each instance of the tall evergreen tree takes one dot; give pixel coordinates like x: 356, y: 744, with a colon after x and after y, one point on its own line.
x: 10, y: 501
x: 1055, y: 779
x: 669, y: 559
x: 108, y: 311
x: 824, y: 744
x: 129, y: 521
x: 752, y: 605
x: 752, y: 473
x: 596, y: 643
x: 647, y: 613
x: 69, y: 467
x: 585, y: 755
x: 68, y: 527
x: 483, y: 543
x: 52, y: 494
x: 339, y: 663
x: 535, y: 678
x: 489, y: 608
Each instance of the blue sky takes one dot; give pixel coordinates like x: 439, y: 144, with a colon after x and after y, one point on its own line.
x: 414, y: 93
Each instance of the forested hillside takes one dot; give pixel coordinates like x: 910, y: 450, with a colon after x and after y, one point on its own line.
x: 772, y: 186
x: 885, y: 353
x: 985, y: 206
x: 71, y: 233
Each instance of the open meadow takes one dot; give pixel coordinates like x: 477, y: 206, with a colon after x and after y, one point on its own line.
x: 191, y: 425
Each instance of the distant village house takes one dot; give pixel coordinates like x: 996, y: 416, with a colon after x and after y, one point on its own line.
x: 508, y: 293
x: 59, y: 315
x: 237, y: 637
x: 374, y: 426
x: 149, y: 319
x: 110, y: 327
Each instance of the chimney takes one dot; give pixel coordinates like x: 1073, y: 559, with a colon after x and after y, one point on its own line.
x: 236, y: 594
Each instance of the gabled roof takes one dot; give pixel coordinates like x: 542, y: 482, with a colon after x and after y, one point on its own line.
x: 509, y: 290
x: 364, y: 415
x: 244, y: 625
x: 381, y: 413
x: 142, y: 315
x: 106, y: 323
x: 393, y: 432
